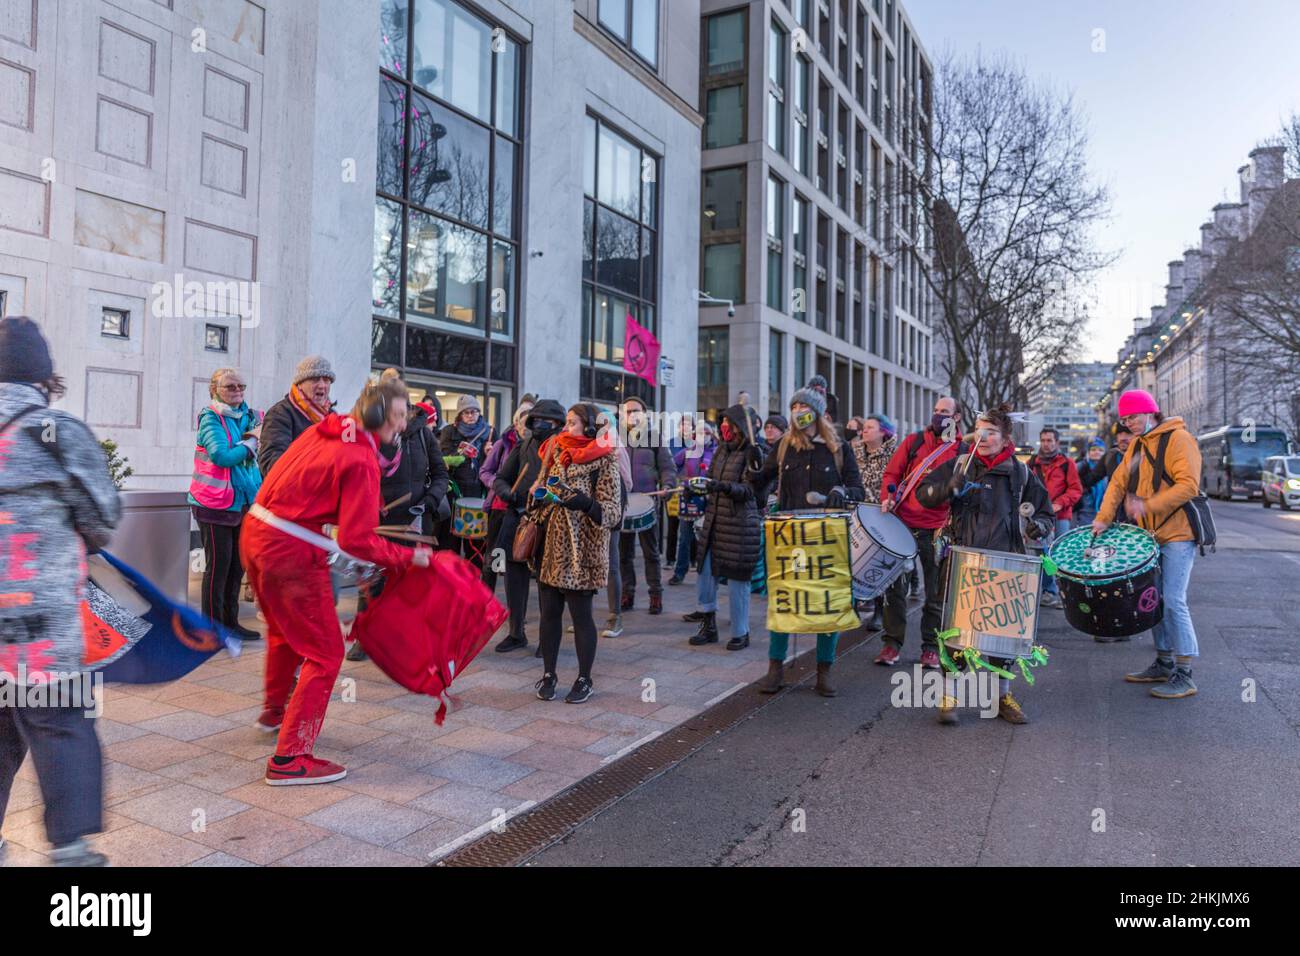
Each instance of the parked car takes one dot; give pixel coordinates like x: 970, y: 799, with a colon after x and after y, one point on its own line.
x: 1281, y: 481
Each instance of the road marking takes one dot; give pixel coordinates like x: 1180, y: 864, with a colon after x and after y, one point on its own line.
x: 632, y: 746
x: 723, y: 696
x: 479, y: 830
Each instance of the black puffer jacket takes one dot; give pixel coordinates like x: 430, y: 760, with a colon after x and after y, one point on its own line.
x: 281, y: 425
x: 986, y: 515
x: 812, y: 469
x: 420, y: 473
x: 466, y: 473
x: 732, y: 529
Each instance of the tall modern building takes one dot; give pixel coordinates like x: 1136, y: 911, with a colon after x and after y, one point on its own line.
x: 478, y: 193
x: 817, y: 124
x: 1065, y: 398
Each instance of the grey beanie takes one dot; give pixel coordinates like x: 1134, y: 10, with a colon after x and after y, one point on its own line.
x: 313, y: 366
x: 467, y: 401
x: 817, y: 381
x: 813, y: 399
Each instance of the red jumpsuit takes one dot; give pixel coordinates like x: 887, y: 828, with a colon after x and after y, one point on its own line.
x: 329, y: 475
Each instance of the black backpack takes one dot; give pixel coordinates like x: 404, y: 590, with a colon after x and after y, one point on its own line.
x: 1199, y: 517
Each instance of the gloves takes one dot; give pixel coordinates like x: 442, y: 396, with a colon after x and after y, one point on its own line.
x: 1035, y: 531
x: 838, y: 497
x: 577, y: 501
x: 699, y: 486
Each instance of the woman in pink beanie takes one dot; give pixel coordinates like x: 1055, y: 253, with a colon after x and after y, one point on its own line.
x: 1154, y: 498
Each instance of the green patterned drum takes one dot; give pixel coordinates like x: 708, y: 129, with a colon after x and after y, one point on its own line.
x: 1110, y: 585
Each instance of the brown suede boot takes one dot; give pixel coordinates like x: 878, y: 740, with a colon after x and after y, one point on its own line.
x: 824, y: 680
x: 775, y: 678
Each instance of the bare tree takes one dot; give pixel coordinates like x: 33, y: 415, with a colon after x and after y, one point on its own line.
x: 1011, y: 222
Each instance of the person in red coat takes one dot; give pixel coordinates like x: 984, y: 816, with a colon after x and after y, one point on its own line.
x: 1060, y: 477
x: 916, y: 456
x: 328, y: 476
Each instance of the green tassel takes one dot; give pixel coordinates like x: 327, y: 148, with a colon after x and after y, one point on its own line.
x: 944, y: 658
x: 1049, y: 566
x: 1029, y: 678
x: 973, y: 657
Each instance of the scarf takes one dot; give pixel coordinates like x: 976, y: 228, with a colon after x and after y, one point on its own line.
x: 305, y: 405
x: 388, y: 466
x: 1007, y: 451
x: 575, y: 449
x: 471, y: 432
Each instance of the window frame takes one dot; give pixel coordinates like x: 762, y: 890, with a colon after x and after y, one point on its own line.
x: 628, y: 20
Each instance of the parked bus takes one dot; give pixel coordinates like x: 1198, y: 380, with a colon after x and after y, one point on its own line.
x: 1231, y: 465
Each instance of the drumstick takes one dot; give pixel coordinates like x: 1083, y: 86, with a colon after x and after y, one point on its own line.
x: 403, y: 535
x: 394, y: 503
x: 664, y: 491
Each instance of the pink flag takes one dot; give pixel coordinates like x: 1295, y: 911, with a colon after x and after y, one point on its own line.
x: 640, y: 352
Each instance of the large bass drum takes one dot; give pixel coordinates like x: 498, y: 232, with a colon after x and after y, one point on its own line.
x: 1111, y: 586
x: 880, y: 547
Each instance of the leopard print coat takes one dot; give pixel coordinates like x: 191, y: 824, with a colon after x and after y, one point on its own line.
x: 575, y: 551
x: 872, y: 465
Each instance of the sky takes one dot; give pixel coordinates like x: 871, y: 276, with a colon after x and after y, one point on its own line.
x: 1175, y: 99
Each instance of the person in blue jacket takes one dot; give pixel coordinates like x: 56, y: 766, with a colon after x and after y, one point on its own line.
x: 228, y: 434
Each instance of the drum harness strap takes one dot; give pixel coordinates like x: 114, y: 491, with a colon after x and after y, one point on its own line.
x: 324, y: 542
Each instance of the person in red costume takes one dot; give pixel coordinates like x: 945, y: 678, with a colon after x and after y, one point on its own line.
x: 328, y: 476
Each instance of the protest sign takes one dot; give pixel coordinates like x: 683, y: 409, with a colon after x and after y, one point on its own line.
x: 809, y: 580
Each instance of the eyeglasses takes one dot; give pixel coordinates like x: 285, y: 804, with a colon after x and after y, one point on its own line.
x: 234, y: 388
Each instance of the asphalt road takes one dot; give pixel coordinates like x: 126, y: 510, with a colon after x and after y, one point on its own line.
x: 1209, y: 780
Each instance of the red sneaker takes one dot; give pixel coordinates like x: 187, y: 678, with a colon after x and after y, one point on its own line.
x: 270, y: 720
x: 930, y: 659
x: 303, y: 769
x: 888, y: 656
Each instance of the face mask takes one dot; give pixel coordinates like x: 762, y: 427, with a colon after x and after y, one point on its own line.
x: 543, y: 427
x: 939, y: 422
x: 1150, y: 424
x: 804, y: 419
x: 851, y: 434
x: 727, y: 431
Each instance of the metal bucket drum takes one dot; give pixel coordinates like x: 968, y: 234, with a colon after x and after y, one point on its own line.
x: 639, y: 513
x: 691, y: 506
x: 881, y: 548
x: 992, y: 601
x: 1109, y: 587
x: 469, y: 518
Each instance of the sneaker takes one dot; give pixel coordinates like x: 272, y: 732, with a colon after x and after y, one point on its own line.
x: 738, y: 643
x: 356, y: 652
x: 1010, y: 711
x: 546, y: 687
x: 1179, y: 685
x: 511, y: 643
x: 930, y: 659
x: 948, y: 710
x: 303, y: 769
x: 270, y: 720
x: 1051, y: 600
x: 76, y: 853
x: 581, y: 691
x: 695, y: 617
x: 676, y: 579
x: 1157, y: 673
x: 614, y: 628
x: 888, y: 656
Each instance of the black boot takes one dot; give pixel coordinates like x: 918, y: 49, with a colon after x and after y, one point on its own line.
x: 708, y: 632
x: 877, y: 620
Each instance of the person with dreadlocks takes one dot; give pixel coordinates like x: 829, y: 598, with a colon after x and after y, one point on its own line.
x: 984, y: 490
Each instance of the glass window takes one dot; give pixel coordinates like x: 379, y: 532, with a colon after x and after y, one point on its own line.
x: 725, y: 43
x: 617, y: 258
x: 613, y: 15
x: 724, y: 200
x: 449, y: 163
x: 387, y: 265
x: 503, y: 188
x: 503, y: 290
x: 722, y: 270
x: 452, y: 56
x: 391, y: 144
x: 392, y: 35
x: 446, y: 272
x: 775, y: 246
x: 635, y: 23
x: 507, y: 118
x: 775, y: 367
x: 724, y: 116
x: 776, y: 88
x: 619, y: 163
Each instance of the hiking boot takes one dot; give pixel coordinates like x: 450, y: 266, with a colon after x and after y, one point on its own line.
x: 1157, y: 673
x: 876, y: 622
x: 245, y: 633
x: 302, y: 769
x: 1010, y: 711
x: 1179, y: 685
x: 823, y: 685
x: 613, y: 627
x: 775, y: 678
x: 546, y: 687
x: 581, y: 691
x: 356, y: 652
x: 511, y: 642
x: 948, y: 710
x: 656, y: 604
x: 738, y: 643
x: 930, y: 659
x: 76, y: 853
x: 708, y: 632
x: 694, y: 617
x: 888, y: 656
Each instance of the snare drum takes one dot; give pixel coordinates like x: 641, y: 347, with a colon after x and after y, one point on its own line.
x: 469, y: 518
x: 640, y: 512
x: 881, y: 547
x: 1109, y: 587
x: 992, y: 601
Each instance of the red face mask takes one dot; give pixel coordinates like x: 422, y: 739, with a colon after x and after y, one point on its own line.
x: 727, y: 431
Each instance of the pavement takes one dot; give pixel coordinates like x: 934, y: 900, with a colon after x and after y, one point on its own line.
x: 1104, y: 774
x: 184, y: 766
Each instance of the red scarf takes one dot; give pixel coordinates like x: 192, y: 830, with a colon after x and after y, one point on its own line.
x: 1007, y: 451
x: 575, y: 449
x: 306, y: 405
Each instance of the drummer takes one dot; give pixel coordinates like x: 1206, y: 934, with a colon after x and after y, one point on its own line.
x: 984, y: 489
x: 810, y: 458
x: 873, y: 449
x: 652, y: 470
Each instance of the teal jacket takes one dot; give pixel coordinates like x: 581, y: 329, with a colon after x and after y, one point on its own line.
x: 233, y: 452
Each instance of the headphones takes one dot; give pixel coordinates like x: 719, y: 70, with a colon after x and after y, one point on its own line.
x: 589, y: 415
x: 374, y: 408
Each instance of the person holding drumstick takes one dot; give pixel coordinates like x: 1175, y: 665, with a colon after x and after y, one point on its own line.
x: 810, y: 464
x: 984, y: 490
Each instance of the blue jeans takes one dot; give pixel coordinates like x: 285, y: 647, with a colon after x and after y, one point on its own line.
x: 778, y: 646
x: 737, y: 597
x: 1062, y: 526
x: 1175, y: 633
x: 685, y: 541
